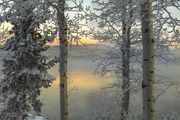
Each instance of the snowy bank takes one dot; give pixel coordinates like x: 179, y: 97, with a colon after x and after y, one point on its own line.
x: 31, y: 117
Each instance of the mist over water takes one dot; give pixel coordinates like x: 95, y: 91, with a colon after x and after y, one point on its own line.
x: 83, y: 83
x: 85, y: 87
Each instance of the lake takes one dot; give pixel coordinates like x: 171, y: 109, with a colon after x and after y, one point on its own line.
x: 83, y: 83
x: 84, y: 86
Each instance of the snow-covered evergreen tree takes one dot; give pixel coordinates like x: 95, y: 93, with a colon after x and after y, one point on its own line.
x: 26, y: 69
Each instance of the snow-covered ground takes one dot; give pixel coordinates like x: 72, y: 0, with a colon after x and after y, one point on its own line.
x: 31, y: 117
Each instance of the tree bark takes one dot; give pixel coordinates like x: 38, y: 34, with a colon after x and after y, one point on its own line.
x: 148, y: 61
x: 63, y: 60
x: 126, y: 44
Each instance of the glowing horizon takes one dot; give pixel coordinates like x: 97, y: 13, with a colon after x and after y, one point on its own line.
x: 82, y: 41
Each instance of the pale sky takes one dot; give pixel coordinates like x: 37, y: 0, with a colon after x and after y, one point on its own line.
x: 175, y: 13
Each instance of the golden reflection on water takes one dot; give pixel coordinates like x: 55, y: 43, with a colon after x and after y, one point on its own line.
x: 86, y: 83
x: 81, y: 81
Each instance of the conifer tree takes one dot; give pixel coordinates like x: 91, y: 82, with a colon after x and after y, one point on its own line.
x: 26, y: 69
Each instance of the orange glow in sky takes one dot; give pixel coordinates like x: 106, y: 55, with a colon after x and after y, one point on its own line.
x: 77, y: 42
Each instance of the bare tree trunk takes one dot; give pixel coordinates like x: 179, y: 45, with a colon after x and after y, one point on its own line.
x: 63, y: 60
x: 126, y: 23
x: 125, y: 75
x: 148, y: 61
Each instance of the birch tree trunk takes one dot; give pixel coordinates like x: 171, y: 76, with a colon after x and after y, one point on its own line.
x: 63, y: 60
x: 148, y: 61
x: 126, y: 44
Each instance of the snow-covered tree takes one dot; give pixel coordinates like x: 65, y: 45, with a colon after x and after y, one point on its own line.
x: 26, y: 69
x: 119, y: 27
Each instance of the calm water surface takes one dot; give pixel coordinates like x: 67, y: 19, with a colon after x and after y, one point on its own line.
x: 83, y: 82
